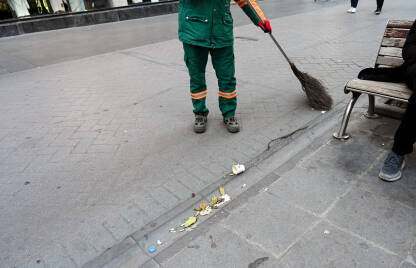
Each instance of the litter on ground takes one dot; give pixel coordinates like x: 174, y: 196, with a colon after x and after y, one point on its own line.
x: 237, y: 169
x: 203, y: 210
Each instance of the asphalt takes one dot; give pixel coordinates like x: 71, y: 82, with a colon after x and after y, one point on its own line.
x: 98, y: 158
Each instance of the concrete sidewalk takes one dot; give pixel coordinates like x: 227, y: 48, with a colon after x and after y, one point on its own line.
x: 320, y: 206
x: 99, y: 153
x: 325, y: 207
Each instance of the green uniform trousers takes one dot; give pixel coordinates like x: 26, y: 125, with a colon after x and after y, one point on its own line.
x: 196, y: 58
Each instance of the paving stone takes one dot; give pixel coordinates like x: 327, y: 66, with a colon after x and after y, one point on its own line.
x: 407, y: 265
x: 56, y: 257
x: 328, y: 246
x: 312, y: 190
x: 377, y: 219
x: 403, y: 191
x: 150, y: 264
x: 278, y: 224
x: 118, y: 226
x: 79, y: 251
x: 225, y: 249
x: 346, y: 157
x: 132, y: 258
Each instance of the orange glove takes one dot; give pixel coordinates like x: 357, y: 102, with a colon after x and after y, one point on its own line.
x: 265, y: 26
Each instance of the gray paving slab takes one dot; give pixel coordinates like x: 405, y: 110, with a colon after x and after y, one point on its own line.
x: 314, y: 191
x: 150, y: 264
x: 359, y: 228
x: 376, y: 218
x: 276, y: 224
x: 407, y: 265
x: 328, y: 246
x: 220, y: 247
x: 132, y: 258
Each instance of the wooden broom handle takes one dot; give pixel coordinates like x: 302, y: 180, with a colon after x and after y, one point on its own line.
x: 281, y: 49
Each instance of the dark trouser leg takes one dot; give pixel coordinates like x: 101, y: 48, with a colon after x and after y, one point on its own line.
x: 223, y: 63
x: 395, y: 75
x: 380, y: 4
x: 196, y: 60
x: 406, y: 133
x: 354, y: 3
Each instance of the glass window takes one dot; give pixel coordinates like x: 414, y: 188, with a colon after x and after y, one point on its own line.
x: 12, y: 9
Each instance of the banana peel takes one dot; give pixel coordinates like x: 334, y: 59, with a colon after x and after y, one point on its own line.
x: 221, y: 189
x: 190, y: 221
x: 203, y: 205
x: 214, y: 201
x: 206, y: 211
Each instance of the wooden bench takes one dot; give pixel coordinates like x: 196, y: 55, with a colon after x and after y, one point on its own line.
x: 389, y: 55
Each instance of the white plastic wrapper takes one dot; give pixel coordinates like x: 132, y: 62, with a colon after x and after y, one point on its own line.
x: 237, y: 169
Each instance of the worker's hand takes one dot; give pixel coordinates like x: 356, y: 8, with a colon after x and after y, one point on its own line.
x: 265, y: 26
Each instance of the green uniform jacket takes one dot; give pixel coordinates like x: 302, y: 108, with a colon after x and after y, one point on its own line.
x: 208, y: 23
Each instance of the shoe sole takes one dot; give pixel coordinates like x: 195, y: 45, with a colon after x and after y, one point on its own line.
x: 230, y: 129
x: 233, y: 130
x: 199, y: 130
x: 381, y: 176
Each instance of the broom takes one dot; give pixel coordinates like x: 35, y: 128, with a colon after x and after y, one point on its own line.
x: 316, y: 93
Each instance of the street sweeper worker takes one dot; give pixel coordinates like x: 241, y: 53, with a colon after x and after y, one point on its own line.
x: 206, y: 27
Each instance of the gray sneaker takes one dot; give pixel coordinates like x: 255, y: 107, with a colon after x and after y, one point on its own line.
x: 232, y: 124
x: 200, y: 124
x: 392, y: 168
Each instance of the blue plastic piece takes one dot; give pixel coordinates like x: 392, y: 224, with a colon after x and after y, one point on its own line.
x: 152, y: 249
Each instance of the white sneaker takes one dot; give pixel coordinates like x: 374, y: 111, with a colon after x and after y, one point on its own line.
x: 352, y: 10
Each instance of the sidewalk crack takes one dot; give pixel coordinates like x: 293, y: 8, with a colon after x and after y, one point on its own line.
x: 250, y: 242
x: 362, y: 238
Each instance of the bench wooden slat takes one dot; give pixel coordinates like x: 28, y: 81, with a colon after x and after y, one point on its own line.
x: 397, y: 33
x: 391, y: 51
x: 385, y: 89
x: 393, y: 42
x: 405, y: 24
x: 389, y: 61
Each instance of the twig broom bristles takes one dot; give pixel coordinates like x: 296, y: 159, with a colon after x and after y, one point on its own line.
x: 316, y: 93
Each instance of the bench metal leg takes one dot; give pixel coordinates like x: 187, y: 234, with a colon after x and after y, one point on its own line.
x: 341, y: 135
x: 371, y: 108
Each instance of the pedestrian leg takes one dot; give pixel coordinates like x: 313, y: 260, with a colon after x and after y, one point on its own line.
x: 353, y: 8
x: 405, y: 135
x: 379, y: 7
x: 196, y: 60
x: 223, y: 63
x: 380, y: 4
